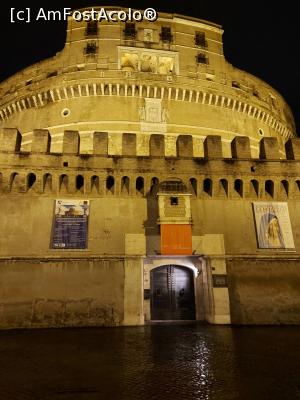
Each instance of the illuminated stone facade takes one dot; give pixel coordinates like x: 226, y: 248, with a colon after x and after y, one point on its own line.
x: 119, y: 114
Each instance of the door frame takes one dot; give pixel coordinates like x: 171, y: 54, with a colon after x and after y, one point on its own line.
x: 171, y: 293
x: 195, y: 263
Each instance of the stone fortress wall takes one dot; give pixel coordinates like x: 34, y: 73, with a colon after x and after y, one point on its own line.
x: 108, y: 119
x: 99, y: 285
x: 103, y: 81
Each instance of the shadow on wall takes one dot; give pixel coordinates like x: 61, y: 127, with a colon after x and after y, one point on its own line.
x: 151, y: 226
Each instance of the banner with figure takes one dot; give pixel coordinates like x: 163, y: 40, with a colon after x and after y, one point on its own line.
x: 273, y: 225
x: 70, y: 225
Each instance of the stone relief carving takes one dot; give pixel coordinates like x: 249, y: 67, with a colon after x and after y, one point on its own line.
x: 142, y: 113
x: 164, y: 115
x: 153, y: 116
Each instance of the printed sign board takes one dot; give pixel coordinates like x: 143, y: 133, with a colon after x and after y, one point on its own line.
x: 273, y: 225
x: 70, y: 224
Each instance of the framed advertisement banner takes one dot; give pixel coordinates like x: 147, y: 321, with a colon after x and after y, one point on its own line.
x: 70, y: 224
x: 273, y: 225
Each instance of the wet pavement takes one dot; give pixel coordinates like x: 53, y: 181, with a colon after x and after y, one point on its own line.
x: 153, y: 362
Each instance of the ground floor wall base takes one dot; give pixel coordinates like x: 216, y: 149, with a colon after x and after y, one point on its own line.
x: 116, y: 291
x: 264, y: 290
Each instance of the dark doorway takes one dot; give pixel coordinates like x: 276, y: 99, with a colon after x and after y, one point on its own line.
x: 172, y: 293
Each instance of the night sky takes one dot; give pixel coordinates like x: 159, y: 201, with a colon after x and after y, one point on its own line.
x: 261, y: 37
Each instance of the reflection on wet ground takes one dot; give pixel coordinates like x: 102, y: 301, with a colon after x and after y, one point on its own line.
x: 153, y: 362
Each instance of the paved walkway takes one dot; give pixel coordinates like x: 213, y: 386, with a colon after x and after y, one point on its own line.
x: 177, y: 362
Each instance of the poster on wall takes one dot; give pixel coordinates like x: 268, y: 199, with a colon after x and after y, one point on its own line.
x: 70, y: 224
x: 273, y: 225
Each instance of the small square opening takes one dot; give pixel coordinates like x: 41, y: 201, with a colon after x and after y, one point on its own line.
x: 174, y: 201
x: 66, y: 164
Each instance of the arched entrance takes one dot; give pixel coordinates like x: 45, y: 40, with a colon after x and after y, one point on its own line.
x: 172, y: 293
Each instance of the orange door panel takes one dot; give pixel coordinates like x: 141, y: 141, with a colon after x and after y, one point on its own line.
x: 175, y: 239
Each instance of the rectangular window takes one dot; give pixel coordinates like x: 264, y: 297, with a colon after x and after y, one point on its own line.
x: 201, y: 58
x: 166, y: 35
x: 200, y: 40
x: 129, y: 31
x: 91, y: 48
x: 92, y: 28
x: 174, y: 201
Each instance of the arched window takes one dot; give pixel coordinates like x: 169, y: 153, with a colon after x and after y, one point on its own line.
x: 238, y: 187
x: 80, y: 183
x: 154, y: 186
x: 223, y: 187
x: 110, y: 184
x: 125, y: 185
x: 30, y: 181
x: 14, y: 181
x: 193, y: 183
x: 284, y: 188
x: 92, y: 28
x: 95, y: 183
x: 269, y: 188
x: 254, y: 188
x: 47, y: 183
x: 207, y: 186
x: 63, y: 183
x: 139, y: 185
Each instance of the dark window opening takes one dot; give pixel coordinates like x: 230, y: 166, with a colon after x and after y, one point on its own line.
x: 139, y: 185
x: 166, y: 34
x: 66, y: 112
x: 238, y: 186
x: 47, y: 182
x: 125, y: 185
x: 13, y: 180
x: 79, y: 182
x: 285, y: 187
x: 193, y: 183
x: 92, y: 28
x: 255, y: 186
x: 31, y: 178
x: 130, y: 31
x: 110, y: 183
x: 63, y: 181
x: 91, y: 48
x: 269, y: 188
x: 201, y: 58
x: 224, y: 186
x: 95, y: 183
x: 174, y: 201
x: 207, y: 186
x: 200, y: 39
x: 65, y: 164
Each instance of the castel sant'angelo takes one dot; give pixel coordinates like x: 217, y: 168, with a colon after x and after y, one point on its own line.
x: 144, y: 178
